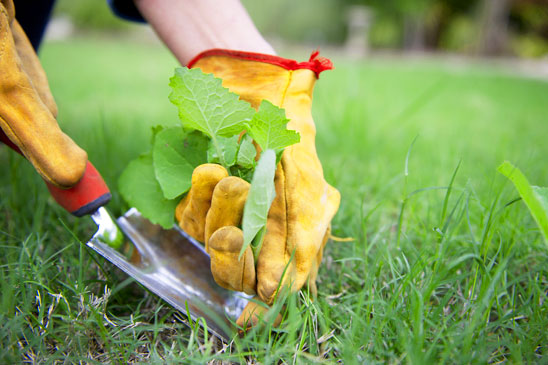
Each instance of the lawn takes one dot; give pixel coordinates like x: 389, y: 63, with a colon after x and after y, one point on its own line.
x: 444, y: 265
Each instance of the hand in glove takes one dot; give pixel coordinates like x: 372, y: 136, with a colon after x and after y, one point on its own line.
x: 299, y: 219
x: 27, y: 108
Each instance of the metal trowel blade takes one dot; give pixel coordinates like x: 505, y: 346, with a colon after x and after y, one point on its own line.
x: 172, y: 265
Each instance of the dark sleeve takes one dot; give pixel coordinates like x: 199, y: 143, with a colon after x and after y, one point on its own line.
x: 33, y: 18
x: 126, y: 9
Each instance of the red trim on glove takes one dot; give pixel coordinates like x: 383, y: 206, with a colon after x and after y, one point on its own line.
x: 316, y: 63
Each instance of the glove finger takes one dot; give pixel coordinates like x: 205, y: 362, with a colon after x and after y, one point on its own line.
x: 253, y: 314
x: 32, y: 67
x: 229, y: 271
x: 274, y: 257
x: 192, y: 209
x: 227, y: 205
x: 180, y: 208
x: 274, y: 264
x: 29, y: 124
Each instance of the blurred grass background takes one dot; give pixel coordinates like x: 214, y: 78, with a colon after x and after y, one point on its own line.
x: 433, y: 275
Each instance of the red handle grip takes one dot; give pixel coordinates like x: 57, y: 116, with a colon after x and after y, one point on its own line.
x: 90, y: 193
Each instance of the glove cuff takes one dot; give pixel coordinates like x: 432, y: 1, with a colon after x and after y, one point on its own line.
x: 315, y: 63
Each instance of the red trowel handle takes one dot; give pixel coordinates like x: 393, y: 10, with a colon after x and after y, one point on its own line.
x: 90, y: 193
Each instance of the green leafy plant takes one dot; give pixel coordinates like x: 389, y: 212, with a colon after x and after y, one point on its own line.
x: 216, y: 127
x: 535, y: 197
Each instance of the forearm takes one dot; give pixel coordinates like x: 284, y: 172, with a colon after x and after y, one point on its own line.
x: 189, y: 27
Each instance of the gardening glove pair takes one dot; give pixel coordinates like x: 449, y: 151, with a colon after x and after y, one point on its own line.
x: 28, y: 110
x: 298, y: 224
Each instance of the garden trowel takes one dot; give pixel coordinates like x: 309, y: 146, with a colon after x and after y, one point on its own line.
x: 168, y: 262
x: 172, y: 265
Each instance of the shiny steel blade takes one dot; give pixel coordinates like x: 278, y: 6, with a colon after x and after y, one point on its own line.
x: 172, y: 265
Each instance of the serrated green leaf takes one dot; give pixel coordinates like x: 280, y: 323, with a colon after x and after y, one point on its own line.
x: 140, y: 189
x: 260, y: 197
x: 227, y: 147
x: 268, y: 128
x: 246, y: 153
x: 205, y: 105
x: 171, y: 161
x: 535, y: 198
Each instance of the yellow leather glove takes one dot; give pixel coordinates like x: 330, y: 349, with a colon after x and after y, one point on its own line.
x: 299, y: 219
x: 28, y: 110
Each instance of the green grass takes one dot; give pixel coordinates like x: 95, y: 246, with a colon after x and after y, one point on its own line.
x: 445, y: 267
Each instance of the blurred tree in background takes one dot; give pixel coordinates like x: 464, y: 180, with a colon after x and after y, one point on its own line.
x: 529, y: 21
x: 485, y: 27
